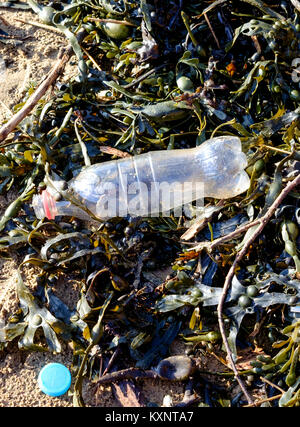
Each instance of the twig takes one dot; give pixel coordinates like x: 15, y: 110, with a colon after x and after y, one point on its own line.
x: 111, y: 361
x: 39, y: 25
x: 278, y: 150
x: 262, y: 223
x: 272, y: 384
x: 91, y: 59
x: 5, y: 22
x: 211, y: 29
x: 199, y: 224
x: 57, y: 69
x: 212, y: 245
x: 257, y: 403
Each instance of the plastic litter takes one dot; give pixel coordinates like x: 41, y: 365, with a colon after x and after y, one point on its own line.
x: 54, y: 379
x: 295, y: 311
x: 147, y: 184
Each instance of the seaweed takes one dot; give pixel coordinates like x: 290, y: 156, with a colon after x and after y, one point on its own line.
x: 156, y: 75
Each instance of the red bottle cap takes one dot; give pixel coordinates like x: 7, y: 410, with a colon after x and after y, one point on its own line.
x: 49, y: 205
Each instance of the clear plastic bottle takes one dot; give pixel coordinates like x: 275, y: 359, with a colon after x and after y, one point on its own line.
x: 154, y: 182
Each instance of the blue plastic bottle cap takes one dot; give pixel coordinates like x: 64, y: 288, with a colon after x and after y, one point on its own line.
x: 54, y: 379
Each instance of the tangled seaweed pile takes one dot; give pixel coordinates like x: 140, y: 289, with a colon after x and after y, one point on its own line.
x: 152, y: 75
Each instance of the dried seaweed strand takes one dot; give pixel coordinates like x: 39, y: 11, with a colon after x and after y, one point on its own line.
x: 130, y: 373
x: 263, y: 221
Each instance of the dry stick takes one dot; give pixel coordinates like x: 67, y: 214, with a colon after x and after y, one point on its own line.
x: 111, y: 361
x: 39, y: 25
x: 212, y: 245
x: 35, y: 97
x: 268, y: 399
x: 211, y: 29
x: 262, y: 221
x: 57, y: 69
x: 91, y: 59
x: 201, y: 223
x: 272, y: 384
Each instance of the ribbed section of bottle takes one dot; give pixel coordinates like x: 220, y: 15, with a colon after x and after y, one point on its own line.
x: 159, y: 181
